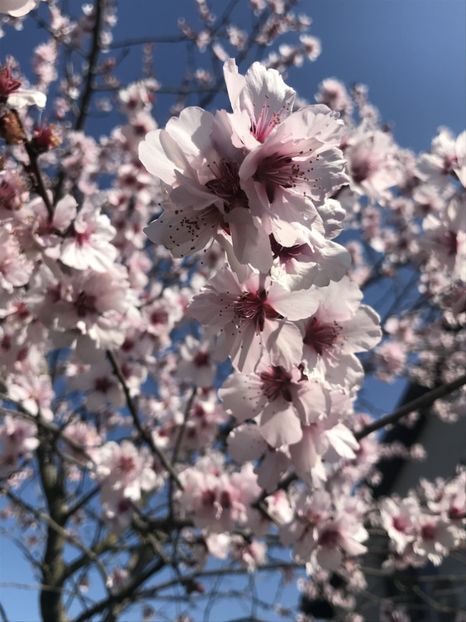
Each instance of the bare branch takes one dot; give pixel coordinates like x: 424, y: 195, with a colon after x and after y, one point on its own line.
x: 424, y: 401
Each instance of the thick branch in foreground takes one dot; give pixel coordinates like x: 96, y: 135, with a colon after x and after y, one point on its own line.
x: 51, y: 604
x: 424, y: 401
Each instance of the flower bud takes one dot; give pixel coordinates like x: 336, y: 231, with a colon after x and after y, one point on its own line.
x: 8, y: 84
x: 11, y: 129
x: 45, y: 138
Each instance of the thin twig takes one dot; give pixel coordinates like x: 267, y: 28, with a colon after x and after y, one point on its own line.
x: 145, y: 435
x: 86, y: 93
x: 179, y: 38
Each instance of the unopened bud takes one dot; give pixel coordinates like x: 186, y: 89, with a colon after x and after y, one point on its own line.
x: 8, y: 84
x: 45, y: 138
x: 11, y: 129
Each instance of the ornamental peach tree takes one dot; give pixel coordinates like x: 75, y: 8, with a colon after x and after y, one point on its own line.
x: 185, y: 336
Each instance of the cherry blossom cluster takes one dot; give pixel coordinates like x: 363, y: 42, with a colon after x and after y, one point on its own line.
x: 259, y: 181
x: 427, y: 524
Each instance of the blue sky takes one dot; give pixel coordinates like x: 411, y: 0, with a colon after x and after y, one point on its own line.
x: 411, y: 54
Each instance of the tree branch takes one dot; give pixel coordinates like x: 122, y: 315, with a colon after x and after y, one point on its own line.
x: 86, y: 93
x: 145, y: 435
x: 421, y: 402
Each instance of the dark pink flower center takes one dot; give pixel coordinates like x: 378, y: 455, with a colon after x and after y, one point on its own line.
x: 102, y: 384
x: 264, y: 124
x: 428, y: 531
x: 226, y: 186
x: 208, y: 497
x: 159, y: 316
x: 126, y: 464
x: 321, y: 336
x: 254, y: 308
x: 456, y: 512
x: 82, y: 238
x: 22, y: 311
x: 449, y: 162
x: 5, y: 343
x: 400, y: 523
x: 199, y: 411
x: 85, y: 304
x: 225, y: 500
x: 201, y: 359
x: 330, y: 538
x: 276, y: 382
x: 361, y: 169
x: 277, y: 170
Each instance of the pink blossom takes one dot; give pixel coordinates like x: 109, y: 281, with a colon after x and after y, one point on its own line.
x: 99, y: 383
x: 246, y: 443
x: 260, y: 101
x: 313, y: 260
x: 435, y: 537
x: 196, y: 364
x: 438, y: 165
x: 124, y: 469
x: 298, y: 166
x: 89, y: 245
x: 339, y: 328
x: 280, y: 398
x: 198, y: 165
x: 372, y: 162
x: 333, y: 94
x: 326, y: 530
x: 34, y: 392
x: 460, y: 166
x: 445, y: 239
x: 217, y: 500
x: 399, y: 518
x: 250, y: 315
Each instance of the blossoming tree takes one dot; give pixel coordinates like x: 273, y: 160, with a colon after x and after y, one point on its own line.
x: 183, y: 333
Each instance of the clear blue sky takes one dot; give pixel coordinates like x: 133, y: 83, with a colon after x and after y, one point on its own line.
x: 411, y: 54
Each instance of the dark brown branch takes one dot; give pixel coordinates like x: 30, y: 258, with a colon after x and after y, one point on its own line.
x: 215, y: 572
x: 424, y: 401
x: 88, y: 88
x: 86, y: 93
x: 120, y: 597
x: 82, y: 501
x: 40, y: 185
x: 51, y: 605
x: 34, y: 168
x: 147, y: 40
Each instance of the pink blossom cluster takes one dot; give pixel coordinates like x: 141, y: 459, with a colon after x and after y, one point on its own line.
x: 259, y: 182
x: 427, y: 524
x: 125, y: 473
